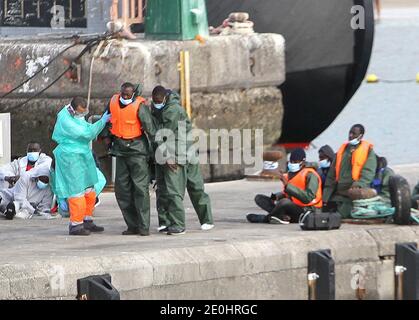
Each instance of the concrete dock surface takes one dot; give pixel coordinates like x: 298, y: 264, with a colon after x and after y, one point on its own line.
x: 235, y: 260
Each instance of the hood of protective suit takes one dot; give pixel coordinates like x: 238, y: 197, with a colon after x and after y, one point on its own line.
x: 40, y: 171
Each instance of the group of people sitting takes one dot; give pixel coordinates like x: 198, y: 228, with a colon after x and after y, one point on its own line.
x: 330, y: 184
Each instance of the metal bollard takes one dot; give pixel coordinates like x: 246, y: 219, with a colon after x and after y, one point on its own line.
x: 406, y: 271
x: 321, y: 275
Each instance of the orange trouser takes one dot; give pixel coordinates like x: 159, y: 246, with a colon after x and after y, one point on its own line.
x: 82, y: 206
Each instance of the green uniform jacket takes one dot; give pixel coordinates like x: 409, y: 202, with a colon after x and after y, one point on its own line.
x: 307, y: 195
x: 141, y: 146
x: 385, y: 189
x: 345, y: 179
x: 172, y: 126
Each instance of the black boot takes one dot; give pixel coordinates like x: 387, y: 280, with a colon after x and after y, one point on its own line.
x: 78, y: 230
x: 257, y: 218
x: 92, y: 227
x: 10, y: 211
x: 130, y: 232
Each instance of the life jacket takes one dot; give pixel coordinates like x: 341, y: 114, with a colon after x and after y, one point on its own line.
x: 300, y: 181
x: 359, y: 158
x: 125, y: 121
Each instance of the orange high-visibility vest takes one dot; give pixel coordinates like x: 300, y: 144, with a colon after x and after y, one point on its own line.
x: 300, y: 181
x: 359, y: 158
x: 125, y: 121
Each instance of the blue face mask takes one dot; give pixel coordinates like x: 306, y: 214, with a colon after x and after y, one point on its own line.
x: 33, y: 156
x: 294, y: 167
x: 159, y: 106
x: 41, y: 185
x: 325, y: 163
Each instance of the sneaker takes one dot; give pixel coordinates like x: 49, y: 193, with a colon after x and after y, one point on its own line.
x: 144, y: 232
x: 78, y: 230
x: 163, y: 229
x: 257, y: 218
x: 282, y: 220
x: 10, y: 211
x: 97, y: 202
x: 207, y: 226
x: 175, y: 231
x: 92, y: 227
x: 130, y: 232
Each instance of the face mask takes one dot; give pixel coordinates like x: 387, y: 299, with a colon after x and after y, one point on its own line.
x: 354, y: 142
x: 325, y: 163
x: 33, y: 156
x: 294, y: 167
x: 81, y: 115
x: 125, y: 102
x: 41, y: 185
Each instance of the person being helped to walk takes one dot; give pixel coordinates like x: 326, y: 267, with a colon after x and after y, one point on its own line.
x: 302, y: 192
x: 11, y: 172
x: 179, y: 169
x: 127, y: 141
x: 353, y: 170
x: 74, y: 170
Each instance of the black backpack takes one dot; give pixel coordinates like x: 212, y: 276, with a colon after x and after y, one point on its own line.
x: 316, y: 220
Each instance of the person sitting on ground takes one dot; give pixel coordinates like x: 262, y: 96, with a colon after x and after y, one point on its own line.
x: 326, y: 157
x: 353, y: 169
x: 10, y: 172
x: 302, y: 192
x: 381, y: 182
x: 30, y: 196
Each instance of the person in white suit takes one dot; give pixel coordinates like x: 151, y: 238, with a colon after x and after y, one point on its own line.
x: 11, y: 172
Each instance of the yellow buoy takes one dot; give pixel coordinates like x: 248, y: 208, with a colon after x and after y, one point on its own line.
x: 372, y: 78
x: 417, y: 77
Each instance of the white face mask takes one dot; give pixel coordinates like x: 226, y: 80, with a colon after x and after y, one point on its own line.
x: 294, y: 167
x: 325, y: 163
x: 159, y: 105
x: 355, y: 142
x: 126, y: 102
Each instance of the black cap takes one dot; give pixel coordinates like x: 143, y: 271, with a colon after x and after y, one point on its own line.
x: 298, y: 155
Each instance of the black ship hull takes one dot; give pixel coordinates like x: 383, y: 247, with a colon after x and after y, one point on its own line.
x: 326, y: 59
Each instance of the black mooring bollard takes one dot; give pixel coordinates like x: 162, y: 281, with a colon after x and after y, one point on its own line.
x: 98, y: 287
x: 321, y: 275
x: 406, y: 269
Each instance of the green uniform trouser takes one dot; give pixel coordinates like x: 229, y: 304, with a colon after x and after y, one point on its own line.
x: 344, y: 205
x: 132, y: 190
x: 170, y: 193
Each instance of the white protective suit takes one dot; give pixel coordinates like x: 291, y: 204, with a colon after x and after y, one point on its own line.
x: 18, y: 167
x: 27, y: 196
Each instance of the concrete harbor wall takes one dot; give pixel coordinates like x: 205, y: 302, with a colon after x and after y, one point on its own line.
x: 274, y: 268
x: 234, y: 81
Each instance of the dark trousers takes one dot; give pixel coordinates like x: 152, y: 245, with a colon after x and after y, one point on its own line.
x: 282, y: 207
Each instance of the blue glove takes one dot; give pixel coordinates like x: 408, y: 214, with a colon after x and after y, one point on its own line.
x: 106, y: 117
x: 64, y: 205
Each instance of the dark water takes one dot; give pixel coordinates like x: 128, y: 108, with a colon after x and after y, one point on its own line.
x: 390, y: 112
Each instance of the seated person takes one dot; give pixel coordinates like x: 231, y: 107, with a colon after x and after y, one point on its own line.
x: 302, y: 192
x: 10, y: 173
x: 326, y: 157
x: 381, y: 182
x: 30, y: 196
x: 354, y: 167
